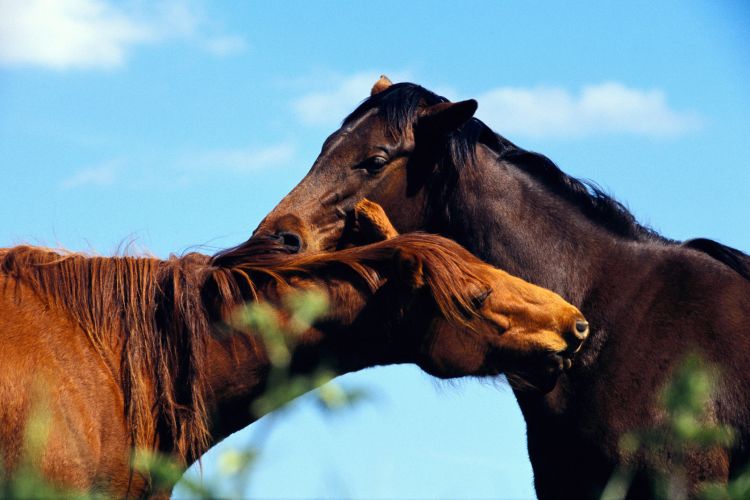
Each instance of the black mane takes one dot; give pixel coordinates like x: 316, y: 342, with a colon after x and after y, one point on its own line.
x: 399, y: 105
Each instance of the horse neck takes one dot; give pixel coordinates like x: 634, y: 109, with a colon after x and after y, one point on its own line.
x: 239, y: 364
x: 507, y: 218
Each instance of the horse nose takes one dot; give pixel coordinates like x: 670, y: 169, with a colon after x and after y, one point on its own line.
x: 576, y: 335
x: 582, y: 329
x: 291, y: 240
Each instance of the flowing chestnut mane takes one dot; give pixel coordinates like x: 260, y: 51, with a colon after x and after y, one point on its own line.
x: 159, y: 313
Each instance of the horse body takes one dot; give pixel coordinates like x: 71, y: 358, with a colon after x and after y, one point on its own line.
x: 112, y: 354
x: 672, y: 303
x: 650, y: 300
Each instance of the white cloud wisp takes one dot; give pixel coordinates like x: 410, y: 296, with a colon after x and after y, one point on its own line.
x: 606, y: 108
x: 103, y: 174
x: 67, y: 33
x: 62, y: 34
x: 241, y: 160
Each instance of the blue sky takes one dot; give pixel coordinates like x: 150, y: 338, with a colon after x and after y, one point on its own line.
x: 178, y: 125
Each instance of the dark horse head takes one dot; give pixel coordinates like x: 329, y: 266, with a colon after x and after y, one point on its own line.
x: 387, y: 151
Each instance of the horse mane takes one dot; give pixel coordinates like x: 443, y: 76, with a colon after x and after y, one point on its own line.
x: 448, y: 268
x: 399, y: 105
x: 160, y: 313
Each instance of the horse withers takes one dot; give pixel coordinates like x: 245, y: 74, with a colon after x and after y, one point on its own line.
x: 124, y: 353
x: 650, y: 300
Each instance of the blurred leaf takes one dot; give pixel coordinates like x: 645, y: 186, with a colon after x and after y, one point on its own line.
x: 163, y: 470
x: 305, y: 307
x: 332, y: 397
x: 234, y: 461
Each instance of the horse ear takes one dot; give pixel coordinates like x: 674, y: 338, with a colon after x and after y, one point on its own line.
x: 372, y: 223
x: 409, y: 268
x: 446, y: 117
x: 382, y: 84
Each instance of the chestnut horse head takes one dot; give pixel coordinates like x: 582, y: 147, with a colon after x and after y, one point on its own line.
x: 387, y: 150
x: 469, y: 318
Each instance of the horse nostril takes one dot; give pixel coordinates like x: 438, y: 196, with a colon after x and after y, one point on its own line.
x: 291, y: 240
x: 582, y: 328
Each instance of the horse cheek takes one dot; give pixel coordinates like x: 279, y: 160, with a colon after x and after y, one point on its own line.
x: 453, y: 353
x: 404, y: 208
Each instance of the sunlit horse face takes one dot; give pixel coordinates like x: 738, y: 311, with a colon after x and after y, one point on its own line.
x: 365, y: 158
x: 527, y: 332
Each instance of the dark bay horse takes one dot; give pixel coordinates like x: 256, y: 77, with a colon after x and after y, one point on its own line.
x: 136, y: 352
x: 650, y: 300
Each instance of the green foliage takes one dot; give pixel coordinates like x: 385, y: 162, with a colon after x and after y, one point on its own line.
x: 161, y: 469
x: 281, y: 331
x: 737, y: 489
x: 686, y: 425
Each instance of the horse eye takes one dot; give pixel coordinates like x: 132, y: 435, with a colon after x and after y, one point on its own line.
x: 478, y: 300
x: 373, y: 164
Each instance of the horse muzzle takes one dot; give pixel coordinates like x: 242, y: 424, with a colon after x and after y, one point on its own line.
x: 288, y: 230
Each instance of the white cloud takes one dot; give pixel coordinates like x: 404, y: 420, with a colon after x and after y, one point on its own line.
x: 66, y: 33
x: 606, y: 108
x: 241, y: 160
x: 225, y: 45
x: 99, y: 175
x: 329, y: 107
x: 63, y: 34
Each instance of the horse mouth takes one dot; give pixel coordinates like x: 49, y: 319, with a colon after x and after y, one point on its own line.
x: 541, y: 373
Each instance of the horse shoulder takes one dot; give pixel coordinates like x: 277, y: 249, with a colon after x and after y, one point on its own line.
x: 51, y: 374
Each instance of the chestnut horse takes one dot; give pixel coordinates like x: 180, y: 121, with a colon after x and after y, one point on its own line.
x: 136, y: 352
x: 650, y: 300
